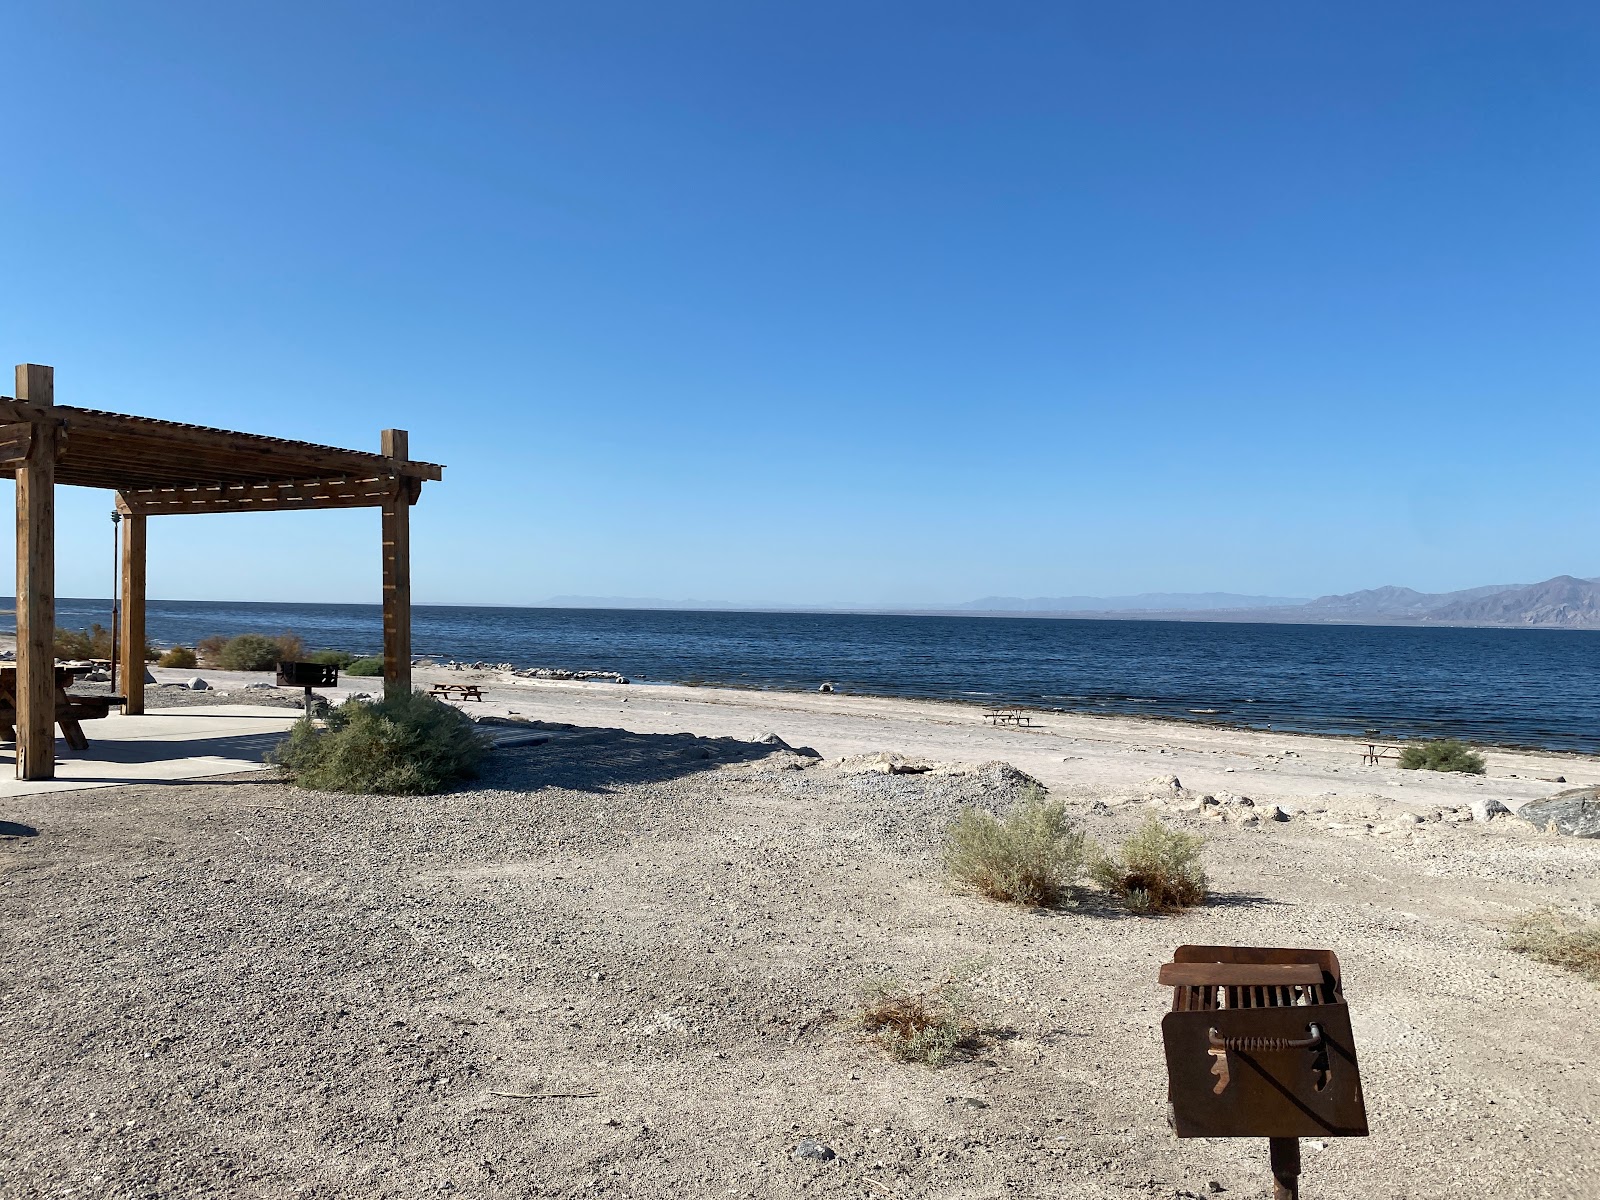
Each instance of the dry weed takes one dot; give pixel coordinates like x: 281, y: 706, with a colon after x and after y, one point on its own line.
x: 1549, y: 937
x: 1156, y: 870
x: 927, y: 1026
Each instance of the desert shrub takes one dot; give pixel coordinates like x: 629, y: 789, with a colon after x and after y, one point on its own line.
x: 178, y: 656
x: 404, y: 744
x: 1155, y: 870
x: 1447, y: 755
x: 209, y: 649
x: 248, y: 652
x: 365, y: 666
x: 291, y: 647
x: 1030, y: 856
x: 1549, y: 937
x: 927, y: 1026
x: 332, y: 658
x: 93, y: 642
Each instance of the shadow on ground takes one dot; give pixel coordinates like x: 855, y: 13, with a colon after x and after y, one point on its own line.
x: 583, y: 759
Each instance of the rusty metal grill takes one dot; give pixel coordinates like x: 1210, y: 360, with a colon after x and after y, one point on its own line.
x: 1258, y: 1044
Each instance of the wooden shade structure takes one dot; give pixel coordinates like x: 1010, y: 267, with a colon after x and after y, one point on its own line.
x: 158, y: 468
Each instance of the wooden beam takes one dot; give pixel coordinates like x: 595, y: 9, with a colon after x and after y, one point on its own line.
x: 284, y: 495
x: 133, y: 561
x: 15, y: 443
x: 146, y: 439
x: 396, y: 575
x: 36, y: 586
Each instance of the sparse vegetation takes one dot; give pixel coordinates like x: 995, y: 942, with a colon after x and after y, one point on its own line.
x: 251, y: 651
x: 404, y: 744
x: 1450, y: 754
x: 1030, y: 856
x: 332, y: 658
x: 93, y: 642
x: 370, y: 666
x: 1549, y: 937
x: 1155, y: 870
x: 178, y: 656
x: 927, y: 1026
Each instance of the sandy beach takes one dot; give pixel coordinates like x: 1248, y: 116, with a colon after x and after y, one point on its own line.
x: 626, y: 962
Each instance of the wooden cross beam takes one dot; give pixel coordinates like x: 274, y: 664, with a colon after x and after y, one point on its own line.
x: 282, y: 496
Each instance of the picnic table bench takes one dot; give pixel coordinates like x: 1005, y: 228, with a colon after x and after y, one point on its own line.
x: 1007, y: 716
x: 1376, y: 751
x: 465, y: 691
x: 70, y: 710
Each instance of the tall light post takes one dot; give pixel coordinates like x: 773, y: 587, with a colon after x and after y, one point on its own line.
x: 116, y: 585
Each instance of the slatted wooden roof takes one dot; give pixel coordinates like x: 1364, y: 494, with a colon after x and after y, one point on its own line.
x: 161, y: 466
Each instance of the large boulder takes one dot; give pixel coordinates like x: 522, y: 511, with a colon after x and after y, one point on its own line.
x: 1575, y: 813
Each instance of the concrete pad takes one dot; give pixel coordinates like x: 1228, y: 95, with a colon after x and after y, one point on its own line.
x: 163, y: 744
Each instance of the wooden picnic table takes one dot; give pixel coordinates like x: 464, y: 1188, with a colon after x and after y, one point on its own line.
x: 467, y: 691
x: 1007, y: 716
x: 70, y: 710
x: 1376, y: 751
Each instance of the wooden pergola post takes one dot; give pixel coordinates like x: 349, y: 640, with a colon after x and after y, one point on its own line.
x: 132, y: 664
x: 397, y: 569
x: 36, y: 585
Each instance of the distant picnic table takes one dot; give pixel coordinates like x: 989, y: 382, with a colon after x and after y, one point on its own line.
x: 464, y: 691
x: 1007, y: 716
x: 1376, y: 752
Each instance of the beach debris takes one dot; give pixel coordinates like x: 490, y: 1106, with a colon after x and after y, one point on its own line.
x: 810, y: 1148
x: 1575, y: 813
x: 538, y: 672
x: 826, y: 687
x: 1485, y: 811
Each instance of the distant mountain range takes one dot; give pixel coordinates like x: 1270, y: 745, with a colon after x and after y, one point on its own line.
x: 1565, y: 602
x: 1144, y: 602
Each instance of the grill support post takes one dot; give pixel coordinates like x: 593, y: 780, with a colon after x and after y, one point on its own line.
x: 1285, y: 1154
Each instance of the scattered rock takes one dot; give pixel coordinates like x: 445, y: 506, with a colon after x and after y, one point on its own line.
x: 1406, y: 818
x: 1276, y: 813
x: 1484, y: 811
x: 1209, y: 800
x: 826, y: 687
x: 1165, y: 783
x: 1575, y: 813
x: 96, y: 677
x: 198, y: 685
x: 148, y: 678
x: 814, y: 1150
x: 1552, y: 779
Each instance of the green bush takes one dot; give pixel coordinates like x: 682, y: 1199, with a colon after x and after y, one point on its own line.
x: 1155, y: 870
x: 1031, y: 856
x: 248, y: 652
x: 251, y: 651
x: 365, y: 666
x: 404, y: 744
x: 178, y: 656
x: 1550, y: 938
x: 93, y: 642
x: 1448, y: 755
x: 332, y: 658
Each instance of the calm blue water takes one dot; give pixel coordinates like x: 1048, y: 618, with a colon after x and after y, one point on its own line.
x: 1507, y: 686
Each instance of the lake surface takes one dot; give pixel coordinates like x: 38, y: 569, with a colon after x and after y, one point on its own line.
x: 1505, y: 686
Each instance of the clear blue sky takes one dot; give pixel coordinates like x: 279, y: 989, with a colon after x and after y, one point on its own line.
x: 833, y: 303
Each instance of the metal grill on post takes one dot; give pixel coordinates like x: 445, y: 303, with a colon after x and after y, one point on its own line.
x: 1258, y: 1044
x: 307, y: 675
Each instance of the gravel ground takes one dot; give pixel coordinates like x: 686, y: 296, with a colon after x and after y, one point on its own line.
x: 624, y: 964
x: 176, y: 695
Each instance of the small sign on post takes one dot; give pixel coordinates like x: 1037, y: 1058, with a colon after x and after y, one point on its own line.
x: 1258, y: 1044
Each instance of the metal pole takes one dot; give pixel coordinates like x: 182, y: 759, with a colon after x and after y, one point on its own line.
x: 116, y: 584
x: 1285, y: 1154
